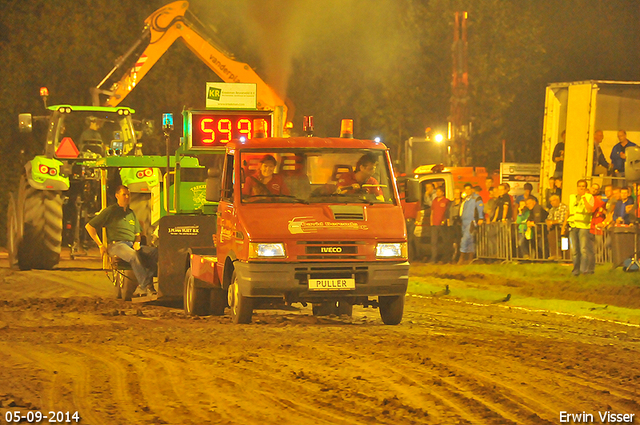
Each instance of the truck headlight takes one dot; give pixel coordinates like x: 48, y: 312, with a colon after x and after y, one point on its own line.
x: 266, y: 250
x: 391, y: 250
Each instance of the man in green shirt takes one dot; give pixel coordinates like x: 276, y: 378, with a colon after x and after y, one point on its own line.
x: 123, y: 239
x: 582, y: 240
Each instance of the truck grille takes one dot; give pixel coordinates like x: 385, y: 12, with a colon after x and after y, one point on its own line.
x: 347, y: 212
x: 331, y: 250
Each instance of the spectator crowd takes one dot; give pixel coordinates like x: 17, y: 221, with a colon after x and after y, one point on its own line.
x: 485, y: 223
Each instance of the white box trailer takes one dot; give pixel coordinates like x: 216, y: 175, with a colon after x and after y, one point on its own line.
x: 581, y: 108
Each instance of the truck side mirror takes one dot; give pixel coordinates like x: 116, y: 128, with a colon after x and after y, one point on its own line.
x: 25, y: 123
x: 412, y: 190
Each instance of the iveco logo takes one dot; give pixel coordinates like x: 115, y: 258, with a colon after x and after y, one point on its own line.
x: 330, y: 249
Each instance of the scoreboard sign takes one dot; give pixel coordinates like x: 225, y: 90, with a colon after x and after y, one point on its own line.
x: 214, y: 129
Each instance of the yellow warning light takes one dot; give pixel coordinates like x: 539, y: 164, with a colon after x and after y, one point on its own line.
x: 346, y: 129
x: 259, y: 128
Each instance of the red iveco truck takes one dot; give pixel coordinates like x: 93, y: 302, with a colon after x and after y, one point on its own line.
x: 309, y: 240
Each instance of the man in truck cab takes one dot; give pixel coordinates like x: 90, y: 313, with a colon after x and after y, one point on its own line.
x: 361, y: 180
x: 123, y: 237
x: 265, y: 182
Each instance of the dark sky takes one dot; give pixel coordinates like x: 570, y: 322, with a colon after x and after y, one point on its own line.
x: 386, y: 63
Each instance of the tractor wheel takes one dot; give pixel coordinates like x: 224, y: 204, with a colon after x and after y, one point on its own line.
x: 42, y: 233
x: 196, y: 300
x: 241, y: 306
x: 391, y: 309
x: 140, y: 204
x: 14, y: 231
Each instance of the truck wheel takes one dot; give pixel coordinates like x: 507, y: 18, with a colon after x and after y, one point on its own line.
x: 196, y: 300
x: 14, y: 232
x: 42, y: 233
x: 241, y: 306
x: 129, y: 284
x: 391, y: 309
x: 140, y: 204
x: 219, y: 299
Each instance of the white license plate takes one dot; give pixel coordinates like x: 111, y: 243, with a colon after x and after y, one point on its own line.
x: 331, y: 284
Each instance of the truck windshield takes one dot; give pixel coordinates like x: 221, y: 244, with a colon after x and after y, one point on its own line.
x: 94, y: 133
x: 316, y: 176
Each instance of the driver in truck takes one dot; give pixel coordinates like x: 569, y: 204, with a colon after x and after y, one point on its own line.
x: 361, y: 180
x: 265, y: 182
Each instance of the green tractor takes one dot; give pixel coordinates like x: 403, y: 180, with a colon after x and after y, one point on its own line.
x: 61, y: 189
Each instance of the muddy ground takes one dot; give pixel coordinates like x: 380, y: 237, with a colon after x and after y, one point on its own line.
x: 66, y: 345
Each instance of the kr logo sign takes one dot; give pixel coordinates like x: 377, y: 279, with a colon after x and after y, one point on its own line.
x: 214, y: 93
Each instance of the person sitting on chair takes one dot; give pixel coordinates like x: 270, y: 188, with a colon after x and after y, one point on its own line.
x: 361, y: 180
x: 265, y: 182
x: 123, y: 237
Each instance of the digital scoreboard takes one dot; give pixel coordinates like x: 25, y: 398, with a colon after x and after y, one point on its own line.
x: 214, y: 129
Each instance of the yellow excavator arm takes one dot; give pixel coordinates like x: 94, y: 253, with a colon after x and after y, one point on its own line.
x: 162, y: 28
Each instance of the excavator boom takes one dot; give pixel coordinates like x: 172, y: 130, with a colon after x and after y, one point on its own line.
x: 165, y: 26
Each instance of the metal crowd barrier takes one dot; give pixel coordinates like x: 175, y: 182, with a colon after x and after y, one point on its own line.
x: 506, y: 242
x: 493, y: 241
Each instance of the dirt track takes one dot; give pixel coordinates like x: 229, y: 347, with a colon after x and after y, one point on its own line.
x: 65, y: 345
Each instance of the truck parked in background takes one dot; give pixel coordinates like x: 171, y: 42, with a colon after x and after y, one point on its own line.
x: 416, y: 214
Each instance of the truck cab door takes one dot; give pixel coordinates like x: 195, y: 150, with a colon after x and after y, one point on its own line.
x: 226, y: 215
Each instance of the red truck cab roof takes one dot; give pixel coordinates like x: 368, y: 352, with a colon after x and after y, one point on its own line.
x: 305, y: 142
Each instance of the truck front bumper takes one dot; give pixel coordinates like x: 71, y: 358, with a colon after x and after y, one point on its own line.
x: 291, y: 279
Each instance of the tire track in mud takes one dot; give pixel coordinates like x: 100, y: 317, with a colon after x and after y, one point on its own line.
x: 244, y: 394
x: 465, y: 365
x: 67, y: 391
x: 71, y: 286
x: 546, y: 348
x: 528, y: 405
x: 158, y: 386
x: 438, y: 389
x: 122, y: 382
x: 171, y: 385
x: 262, y: 375
x: 550, y: 388
x: 575, y: 372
